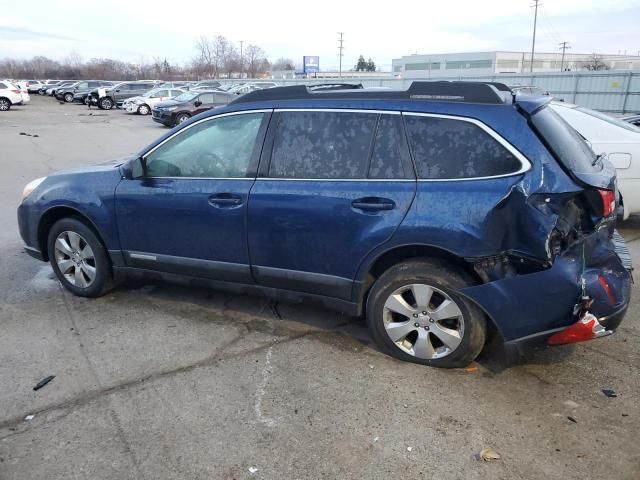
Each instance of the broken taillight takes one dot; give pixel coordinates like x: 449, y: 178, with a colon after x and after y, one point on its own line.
x: 608, y: 198
x: 587, y: 328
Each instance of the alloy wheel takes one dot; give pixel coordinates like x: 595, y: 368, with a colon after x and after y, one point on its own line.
x: 4, y: 104
x: 423, y: 321
x: 75, y: 259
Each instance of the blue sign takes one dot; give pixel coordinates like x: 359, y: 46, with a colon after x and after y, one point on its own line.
x: 311, y: 64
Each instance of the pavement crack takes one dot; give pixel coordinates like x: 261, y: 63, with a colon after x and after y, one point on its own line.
x: 260, y: 391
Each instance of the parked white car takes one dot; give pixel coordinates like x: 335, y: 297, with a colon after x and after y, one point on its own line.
x: 144, y: 103
x: 10, y: 95
x: 619, y: 140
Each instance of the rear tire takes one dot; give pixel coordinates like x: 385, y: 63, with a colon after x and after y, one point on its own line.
x: 426, y: 332
x: 79, y: 259
x: 5, y: 104
x: 182, y: 117
x: 105, y: 103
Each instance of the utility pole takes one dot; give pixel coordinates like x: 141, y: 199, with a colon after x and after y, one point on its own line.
x: 533, y: 43
x: 241, y: 60
x: 340, y: 49
x: 563, y: 47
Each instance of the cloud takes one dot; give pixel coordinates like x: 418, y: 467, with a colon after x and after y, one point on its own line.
x: 24, y: 33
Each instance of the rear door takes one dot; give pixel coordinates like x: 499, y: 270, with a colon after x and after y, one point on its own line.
x: 332, y: 186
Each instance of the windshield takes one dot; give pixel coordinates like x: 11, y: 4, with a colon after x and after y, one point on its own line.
x: 608, y: 119
x: 186, y: 96
x: 567, y: 144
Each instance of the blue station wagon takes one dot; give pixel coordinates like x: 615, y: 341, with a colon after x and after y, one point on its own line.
x: 447, y: 213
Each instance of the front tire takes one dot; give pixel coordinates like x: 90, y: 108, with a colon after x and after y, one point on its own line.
x: 144, y: 109
x: 79, y: 259
x: 415, y: 313
x: 68, y: 97
x: 105, y: 103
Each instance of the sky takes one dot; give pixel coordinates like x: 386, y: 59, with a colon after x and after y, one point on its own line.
x: 135, y: 30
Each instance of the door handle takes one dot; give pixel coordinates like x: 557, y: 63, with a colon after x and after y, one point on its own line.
x: 373, y: 204
x: 225, y: 200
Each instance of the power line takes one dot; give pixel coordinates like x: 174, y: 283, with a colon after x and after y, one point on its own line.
x: 340, y: 49
x: 563, y: 46
x: 533, y: 43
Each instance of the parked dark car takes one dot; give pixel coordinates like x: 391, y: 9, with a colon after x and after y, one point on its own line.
x: 115, y: 96
x: 79, y: 91
x: 447, y: 213
x: 181, y: 108
x: 63, y: 84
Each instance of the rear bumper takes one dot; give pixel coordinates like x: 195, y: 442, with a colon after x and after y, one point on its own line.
x: 538, y: 341
x: 527, y: 309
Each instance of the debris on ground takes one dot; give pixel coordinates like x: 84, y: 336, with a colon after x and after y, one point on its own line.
x: 488, y: 454
x: 409, y: 449
x: 253, y: 469
x: 471, y: 369
x: 376, y: 439
x: 28, y: 417
x: 571, y: 404
x: 609, y: 393
x: 28, y: 134
x: 572, y: 419
x: 43, y: 382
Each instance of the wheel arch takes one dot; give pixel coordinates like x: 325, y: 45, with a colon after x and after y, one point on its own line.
x: 52, y: 215
x: 372, y: 270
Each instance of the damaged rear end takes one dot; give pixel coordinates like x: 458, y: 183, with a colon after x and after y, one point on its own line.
x: 573, y: 283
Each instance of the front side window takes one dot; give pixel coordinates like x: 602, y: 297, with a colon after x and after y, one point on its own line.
x: 82, y: 86
x: 217, y: 148
x: 447, y: 148
x: 322, y: 145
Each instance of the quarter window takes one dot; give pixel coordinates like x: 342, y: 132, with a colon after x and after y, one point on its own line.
x: 451, y: 149
x: 323, y: 145
x: 218, y: 148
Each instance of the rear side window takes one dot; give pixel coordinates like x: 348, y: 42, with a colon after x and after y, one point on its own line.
x: 388, y: 149
x: 567, y: 144
x: 322, y: 145
x: 447, y: 148
x: 206, y: 98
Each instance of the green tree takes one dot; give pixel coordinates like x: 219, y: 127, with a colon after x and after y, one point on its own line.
x: 371, y: 66
x: 361, y: 66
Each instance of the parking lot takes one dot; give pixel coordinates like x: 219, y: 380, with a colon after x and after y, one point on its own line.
x: 156, y: 381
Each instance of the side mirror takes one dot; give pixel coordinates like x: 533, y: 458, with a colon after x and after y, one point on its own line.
x: 135, y: 168
x: 197, y: 103
x: 117, y: 90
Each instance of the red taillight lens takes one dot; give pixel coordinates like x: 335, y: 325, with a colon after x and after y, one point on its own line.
x: 586, y: 328
x: 608, y: 202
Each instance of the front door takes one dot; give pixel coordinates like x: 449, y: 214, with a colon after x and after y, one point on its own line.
x: 336, y: 186
x: 187, y: 213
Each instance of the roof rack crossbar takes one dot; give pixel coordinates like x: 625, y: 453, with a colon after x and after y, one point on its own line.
x: 443, y: 91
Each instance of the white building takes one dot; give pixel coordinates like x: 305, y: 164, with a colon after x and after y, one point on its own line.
x: 489, y: 63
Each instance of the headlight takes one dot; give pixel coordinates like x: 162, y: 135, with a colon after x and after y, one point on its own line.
x: 31, y: 186
x: 169, y: 109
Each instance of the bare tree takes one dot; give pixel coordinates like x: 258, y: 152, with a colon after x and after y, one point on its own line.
x: 206, y: 56
x: 283, y: 64
x: 255, y: 61
x: 595, y: 63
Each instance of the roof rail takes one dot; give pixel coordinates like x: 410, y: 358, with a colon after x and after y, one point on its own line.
x: 439, y: 91
x: 334, y: 86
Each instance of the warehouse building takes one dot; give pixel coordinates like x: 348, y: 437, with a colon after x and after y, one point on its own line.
x: 490, y: 63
